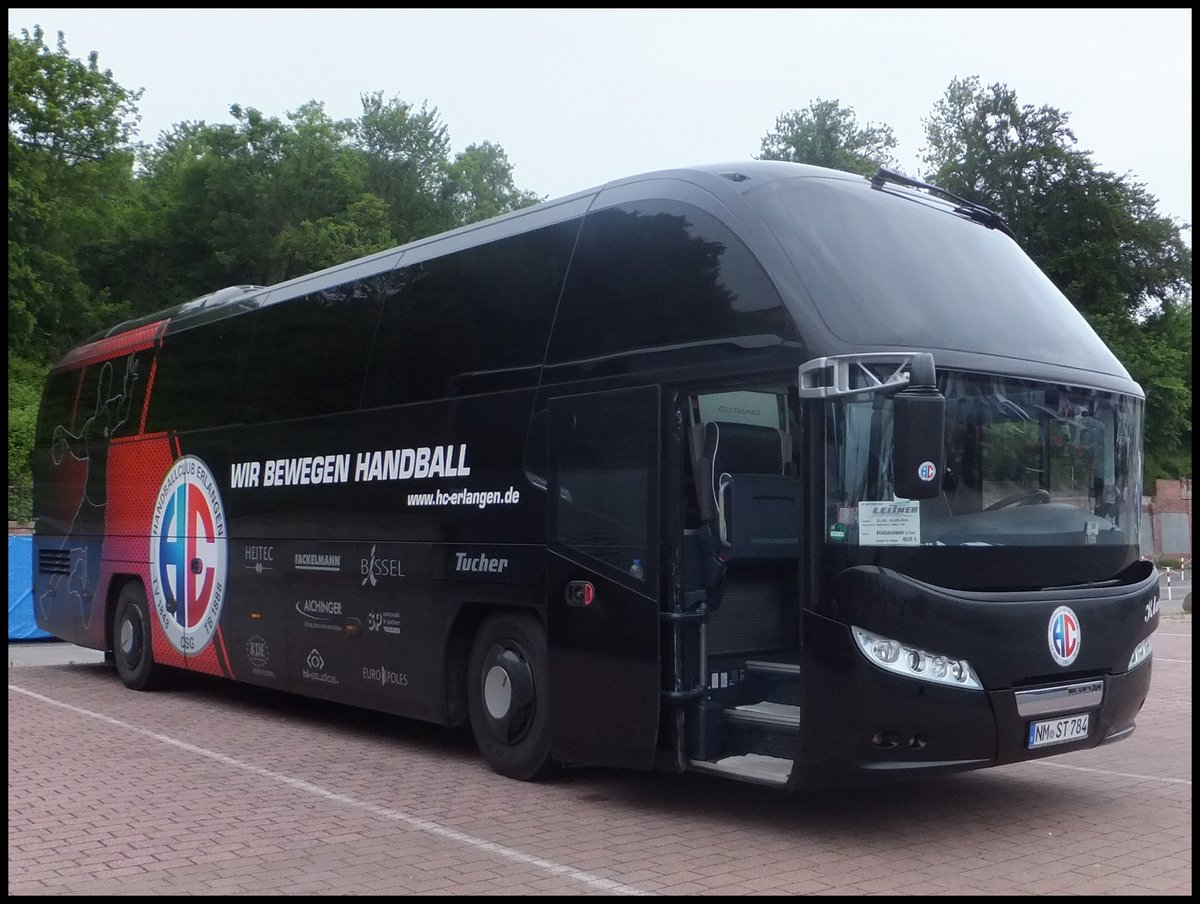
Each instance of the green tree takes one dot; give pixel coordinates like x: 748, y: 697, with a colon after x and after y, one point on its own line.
x: 359, y: 230
x: 827, y: 134
x: 408, y: 163
x: 479, y: 184
x: 70, y: 178
x: 70, y: 175
x: 25, y: 379
x: 238, y: 203
x: 1096, y: 234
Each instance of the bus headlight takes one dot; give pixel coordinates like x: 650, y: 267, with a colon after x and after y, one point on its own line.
x: 913, y: 662
x: 1140, y: 654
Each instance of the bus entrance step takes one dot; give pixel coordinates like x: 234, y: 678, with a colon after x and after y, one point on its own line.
x: 779, y: 717
x: 750, y: 767
x: 773, y: 668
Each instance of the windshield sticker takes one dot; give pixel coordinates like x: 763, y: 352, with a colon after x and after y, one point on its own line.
x: 896, y: 523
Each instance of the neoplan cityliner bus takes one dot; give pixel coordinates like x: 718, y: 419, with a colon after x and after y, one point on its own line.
x: 761, y: 470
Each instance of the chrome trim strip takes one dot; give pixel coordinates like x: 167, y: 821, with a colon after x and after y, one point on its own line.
x: 1066, y: 698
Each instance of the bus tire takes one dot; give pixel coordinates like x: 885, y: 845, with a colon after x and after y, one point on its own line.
x: 131, y: 640
x: 508, y: 698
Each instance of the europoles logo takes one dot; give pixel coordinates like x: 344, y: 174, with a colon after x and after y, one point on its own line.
x: 188, y: 555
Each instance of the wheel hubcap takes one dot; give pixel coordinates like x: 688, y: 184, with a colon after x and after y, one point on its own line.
x: 508, y: 693
x: 130, y: 640
x: 497, y: 692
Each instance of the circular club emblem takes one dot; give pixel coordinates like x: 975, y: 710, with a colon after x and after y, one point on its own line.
x: 1064, y: 635
x: 927, y: 471
x: 188, y: 555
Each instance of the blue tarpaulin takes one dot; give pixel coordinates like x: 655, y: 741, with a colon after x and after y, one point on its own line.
x: 21, y: 625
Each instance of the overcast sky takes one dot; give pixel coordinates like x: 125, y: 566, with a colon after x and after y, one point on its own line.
x: 580, y: 96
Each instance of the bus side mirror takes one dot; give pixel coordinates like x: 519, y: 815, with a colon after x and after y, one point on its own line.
x: 919, y: 451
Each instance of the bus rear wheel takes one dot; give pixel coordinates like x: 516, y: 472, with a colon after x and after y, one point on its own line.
x: 507, y: 696
x: 131, y: 640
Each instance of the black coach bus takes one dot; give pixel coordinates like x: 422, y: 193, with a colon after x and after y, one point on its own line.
x: 761, y: 470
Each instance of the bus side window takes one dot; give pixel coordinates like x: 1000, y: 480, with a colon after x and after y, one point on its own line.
x: 604, y: 470
x: 487, y: 310
x: 661, y: 273
x: 308, y: 355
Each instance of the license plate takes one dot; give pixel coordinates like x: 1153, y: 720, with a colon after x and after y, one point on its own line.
x: 1058, y: 731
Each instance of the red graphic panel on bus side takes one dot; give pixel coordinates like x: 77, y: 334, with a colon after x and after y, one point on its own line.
x: 137, y: 468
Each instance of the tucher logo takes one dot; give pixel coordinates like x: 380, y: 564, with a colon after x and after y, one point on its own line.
x: 482, y: 562
x: 188, y: 555
x: 373, y: 569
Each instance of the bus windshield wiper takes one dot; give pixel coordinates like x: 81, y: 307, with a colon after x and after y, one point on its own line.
x: 977, y: 212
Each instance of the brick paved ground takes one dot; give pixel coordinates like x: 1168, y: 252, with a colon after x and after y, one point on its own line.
x: 199, y: 789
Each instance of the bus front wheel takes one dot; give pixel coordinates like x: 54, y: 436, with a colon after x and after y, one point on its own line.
x: 131, y: 639
x: 507, y: 696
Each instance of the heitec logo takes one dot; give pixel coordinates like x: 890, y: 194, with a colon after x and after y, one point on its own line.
x: 1064, y: 635
x: 188, y: 555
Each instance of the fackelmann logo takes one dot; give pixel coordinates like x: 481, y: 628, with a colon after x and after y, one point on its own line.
x: 373, y: 568
x: 188, y: 555
x: 315, y: 670
x: 308, y: 561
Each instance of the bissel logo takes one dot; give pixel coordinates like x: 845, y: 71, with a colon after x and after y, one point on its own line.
x: 374, y: 568
x: 188, y: 555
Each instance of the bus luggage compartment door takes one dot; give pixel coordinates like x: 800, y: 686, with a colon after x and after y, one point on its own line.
x: 603, y: 575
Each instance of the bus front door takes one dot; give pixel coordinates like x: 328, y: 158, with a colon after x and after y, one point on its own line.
x: 603, y: 575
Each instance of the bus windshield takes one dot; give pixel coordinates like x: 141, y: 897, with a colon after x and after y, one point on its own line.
x: 1027, y: 464
x: 862, y: 254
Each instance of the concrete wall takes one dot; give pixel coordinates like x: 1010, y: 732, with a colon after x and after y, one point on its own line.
x: 1168, y: 514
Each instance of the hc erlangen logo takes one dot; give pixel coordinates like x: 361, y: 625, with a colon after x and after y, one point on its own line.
x: 927, y: 471
x: 1064, y: 635
x: 188, y: 555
